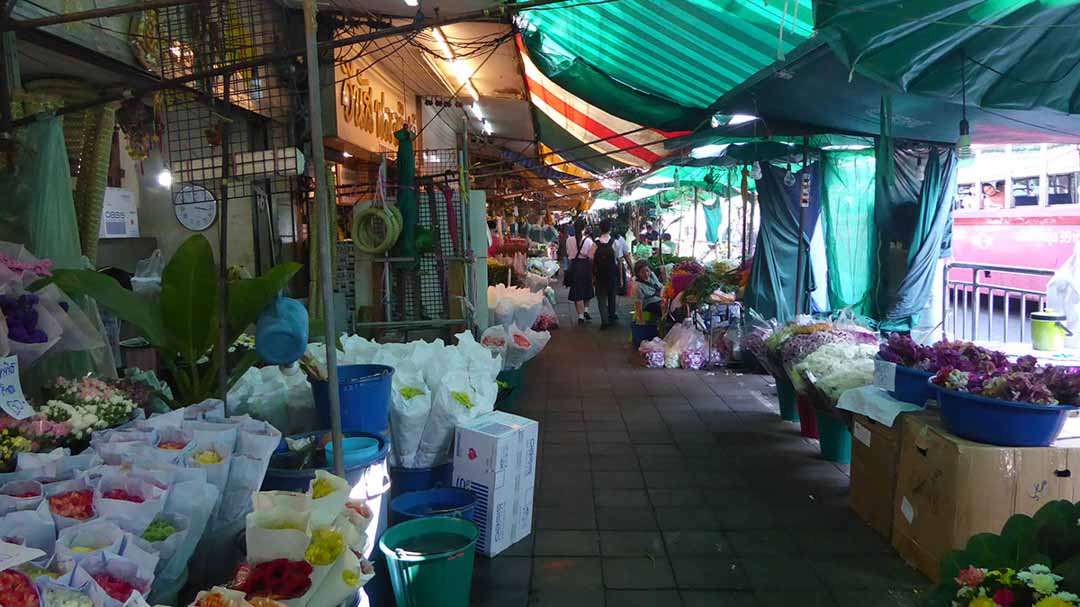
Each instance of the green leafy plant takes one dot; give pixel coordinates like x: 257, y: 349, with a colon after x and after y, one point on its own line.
x: 1051, y: 538
x: 183, y: 324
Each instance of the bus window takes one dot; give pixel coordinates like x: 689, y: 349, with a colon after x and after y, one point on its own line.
x: 993, y: 195
x: 965, y: 196
x: 1025, y: 191
x: 1063, y: 189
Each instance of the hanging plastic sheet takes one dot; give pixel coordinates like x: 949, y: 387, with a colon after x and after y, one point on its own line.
x: 37, y: 209
x: 713, y: 217
x: 773, y: 276
x: 914, y: 213
x: 847, y: 207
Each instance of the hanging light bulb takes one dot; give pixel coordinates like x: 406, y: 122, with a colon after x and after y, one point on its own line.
x: 164, y: 178
x: 789, y: 177
x: 755, y: 170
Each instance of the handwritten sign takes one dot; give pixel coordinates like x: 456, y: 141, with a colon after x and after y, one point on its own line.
x: 885, y: 375
x: 12, y: 400
x: 13, y: 555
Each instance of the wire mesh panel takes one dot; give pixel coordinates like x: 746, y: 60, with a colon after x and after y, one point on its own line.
x: 418, y: 291
x: 240, y: 125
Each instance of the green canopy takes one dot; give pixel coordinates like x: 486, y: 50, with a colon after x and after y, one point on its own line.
x: 682, y: 54
x: 1012, y: 54
x: 570, y: 148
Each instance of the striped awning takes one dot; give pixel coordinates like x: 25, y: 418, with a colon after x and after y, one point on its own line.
x: 602, y: 132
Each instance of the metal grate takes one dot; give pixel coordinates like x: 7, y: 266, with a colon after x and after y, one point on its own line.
x: 243, y: 124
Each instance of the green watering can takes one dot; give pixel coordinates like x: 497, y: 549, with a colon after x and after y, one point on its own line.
x: 1048, y: 330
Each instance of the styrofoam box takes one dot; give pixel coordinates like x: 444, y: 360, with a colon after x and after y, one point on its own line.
x: 495, y: 459
x: 119, y: 216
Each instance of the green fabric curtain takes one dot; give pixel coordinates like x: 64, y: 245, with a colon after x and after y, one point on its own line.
x: 913, y: 214
x: 713, y: 217
x: 771, y: 291
x: 38, y: 209
x: 847, y: 207
x: 406, y: 198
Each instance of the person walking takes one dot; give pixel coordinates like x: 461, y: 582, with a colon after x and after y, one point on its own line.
x: 606, y: 271
x: 580, y: 249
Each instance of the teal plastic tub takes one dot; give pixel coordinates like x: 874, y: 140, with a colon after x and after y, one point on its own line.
x: 835, y: 438
x: 431, y: 561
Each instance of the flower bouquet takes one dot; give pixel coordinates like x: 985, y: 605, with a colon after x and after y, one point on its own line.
x: 85, y: 405
x: 129, y: 501
x: 69, y: 502
x: 17, y: 590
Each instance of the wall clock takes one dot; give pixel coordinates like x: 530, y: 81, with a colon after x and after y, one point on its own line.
x: 195, y: 207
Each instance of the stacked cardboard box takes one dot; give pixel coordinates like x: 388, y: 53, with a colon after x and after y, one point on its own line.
x: 495, y: 459
x: 949, y: 489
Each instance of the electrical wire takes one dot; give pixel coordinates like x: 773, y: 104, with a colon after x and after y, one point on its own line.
x: 459, y: 89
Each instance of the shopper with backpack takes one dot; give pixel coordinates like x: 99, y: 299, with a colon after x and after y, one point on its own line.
x: 606, y: 271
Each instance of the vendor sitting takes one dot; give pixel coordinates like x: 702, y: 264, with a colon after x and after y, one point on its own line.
x: 648, y: 292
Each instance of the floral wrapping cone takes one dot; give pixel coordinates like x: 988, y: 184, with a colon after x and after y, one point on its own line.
x: 328, y: 494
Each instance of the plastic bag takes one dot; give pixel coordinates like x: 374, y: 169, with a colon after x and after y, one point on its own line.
x: 652, y: 353
x: 1063, y: 295
x: 547, y: 318
x: 457, y: 402
x: 147, y: 278
x: 503, y: 313
x: 410, y: 406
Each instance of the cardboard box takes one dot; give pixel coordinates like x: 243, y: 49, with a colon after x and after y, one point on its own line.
x: 948, y: 489
x: 875, y: 459
x: 119, y: 217
x: 495, y: 459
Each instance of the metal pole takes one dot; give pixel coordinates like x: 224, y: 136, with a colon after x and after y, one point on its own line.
x: 96, y: 13
x: 729, y: 218
x: 325, y: 234
x: 223, y: 254
x: 693, y: 244
x: 802, y: 221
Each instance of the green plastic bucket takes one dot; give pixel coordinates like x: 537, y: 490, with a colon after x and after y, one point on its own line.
x: 1048, y: 331
x: 431, y: 561
x: 785, y: 392
x: 835, y: 438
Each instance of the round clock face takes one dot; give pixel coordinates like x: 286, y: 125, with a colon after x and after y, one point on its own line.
x: 195, y: 207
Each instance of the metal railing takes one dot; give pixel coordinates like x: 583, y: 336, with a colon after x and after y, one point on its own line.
x: 965, y: 302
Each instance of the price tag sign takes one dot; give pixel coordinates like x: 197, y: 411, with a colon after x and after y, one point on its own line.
x: 12, y: 400
x: 885, y: 375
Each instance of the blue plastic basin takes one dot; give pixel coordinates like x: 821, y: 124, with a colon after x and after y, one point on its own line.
x: 357, y: 449
x: 449, y: 501
x: 1000, y: 422
x: 912, y: 386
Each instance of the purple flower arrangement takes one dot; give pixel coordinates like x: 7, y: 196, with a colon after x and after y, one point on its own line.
x: 966, y: 367
x: 22, y: 318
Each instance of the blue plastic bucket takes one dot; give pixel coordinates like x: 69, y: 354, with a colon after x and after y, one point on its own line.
x: 420, y: 479
x: 911, y: 386
x: 785, y: 393
x: 448, y: 501
x: 1000, y: 422
x: 365, y: 398
x: 834, y: 437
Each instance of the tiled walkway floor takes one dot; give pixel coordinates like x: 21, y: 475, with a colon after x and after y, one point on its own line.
x: 670, y: 488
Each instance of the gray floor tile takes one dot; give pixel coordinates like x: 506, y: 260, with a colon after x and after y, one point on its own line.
x: 551, y: 597
x: 643, y: 598
x: 622, y: 498
x: 676, y: 498
x: 632, y: 543
x: 781, y: 573
x: 757, y: 542
x: 566, y: 543
x: 618, y: 479
x: 697, y: 543
x: 625, y: 519
x: 567, y: 574
x: 684, y: 519
x: 502, y: 572
x: 719, y: 598
x: 637, y: 573
x: 709, y: 573
x: 486, y: 596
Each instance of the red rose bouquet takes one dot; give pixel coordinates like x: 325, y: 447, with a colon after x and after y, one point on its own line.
x: 17, y: 590
x: 277, y: 579
x: 78, y: 505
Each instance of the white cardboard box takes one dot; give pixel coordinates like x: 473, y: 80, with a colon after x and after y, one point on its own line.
x: 119, y: 217
x: 495, y: 459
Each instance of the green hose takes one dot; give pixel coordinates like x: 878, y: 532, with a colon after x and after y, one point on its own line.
x: 364, y: 236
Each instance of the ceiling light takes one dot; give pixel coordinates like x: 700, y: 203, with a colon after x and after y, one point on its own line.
x: 164, y: 178
x: 440, y: 40
x: 472, y: 91
x: 708, y: 151
x: 487, y: 127
x: 412, y: 2
x: 461, y: 70
x: 741, y: 119
x: 346, y: 154
x: 852, y: 147
x: 476, y: 111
